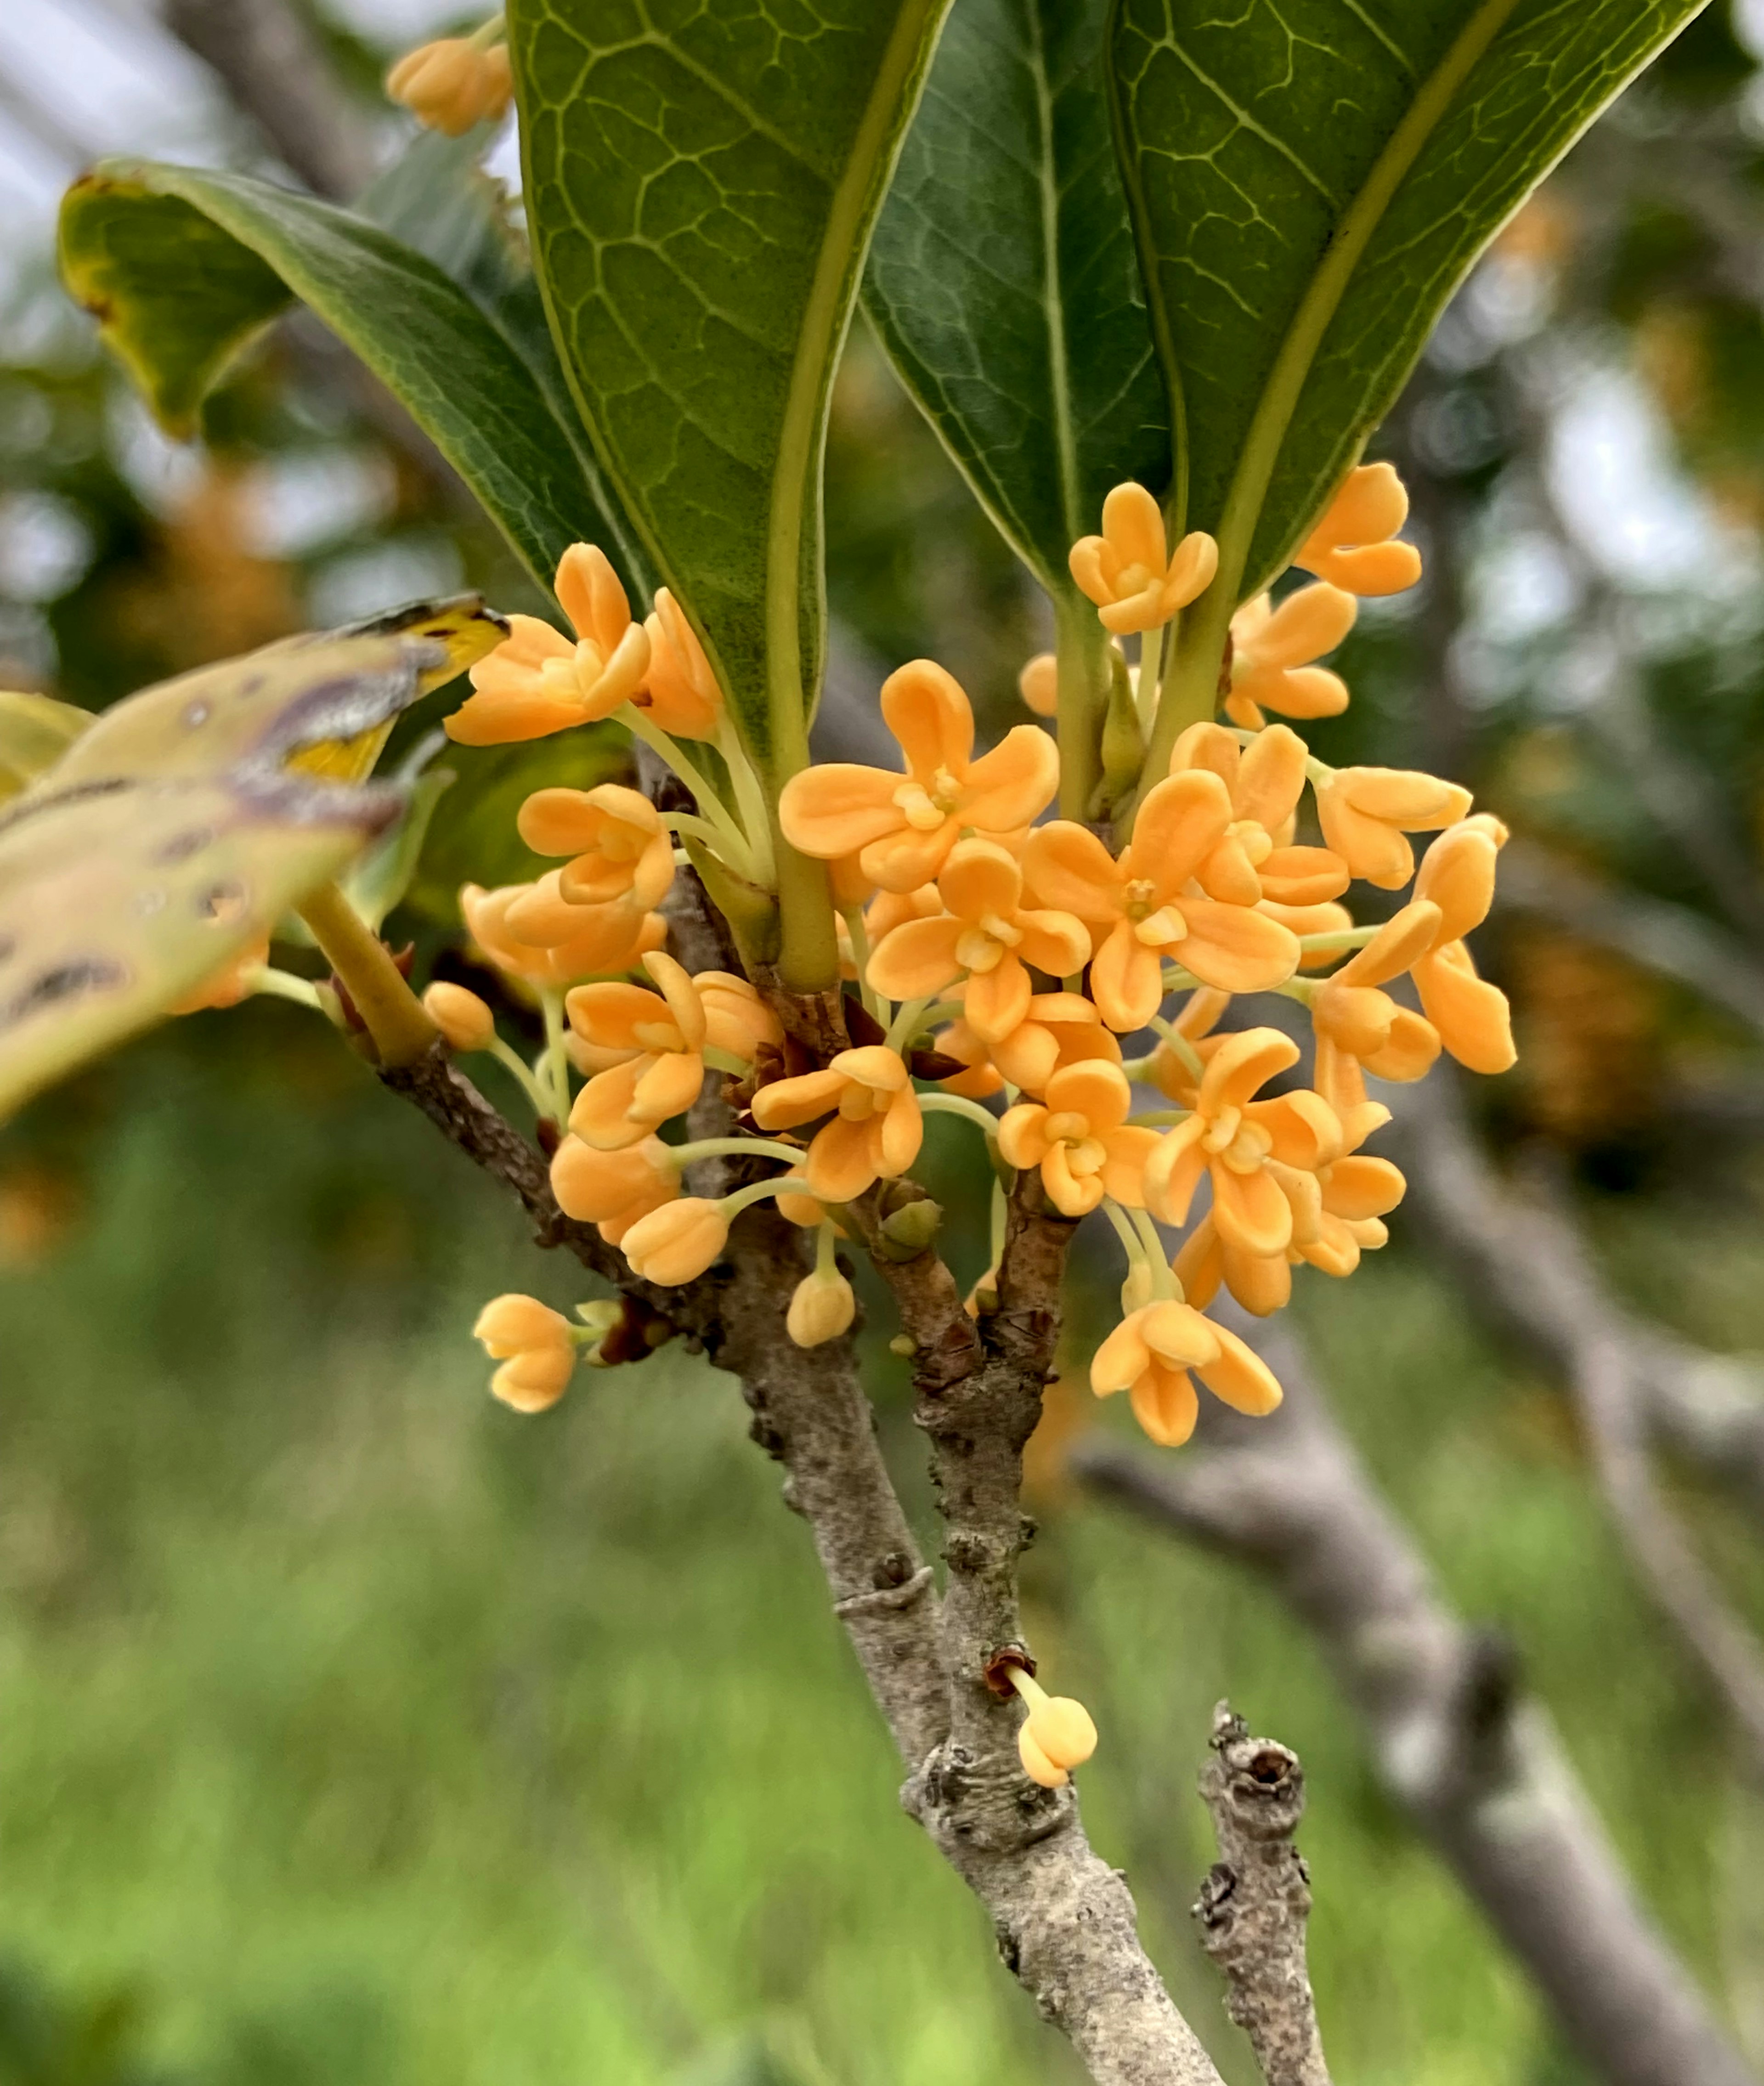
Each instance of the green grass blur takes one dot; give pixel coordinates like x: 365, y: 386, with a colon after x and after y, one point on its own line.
x: 355, y: 1729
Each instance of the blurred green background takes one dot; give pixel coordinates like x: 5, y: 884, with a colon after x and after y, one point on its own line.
x: 352, y: 1728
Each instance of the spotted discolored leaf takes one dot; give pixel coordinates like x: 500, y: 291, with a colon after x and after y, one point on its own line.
x: 117, y: 900
x: 1311, y: 179
x: 701, y: 184
x: 35, y: 732
x: 322, y: 702
x: 178, y: 828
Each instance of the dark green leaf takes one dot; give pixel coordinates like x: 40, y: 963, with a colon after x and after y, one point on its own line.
x: 182, y: 268
x: 437, y: 198
x: 701, y: 185
x: 1003, y: 282
x: 1311, y: 180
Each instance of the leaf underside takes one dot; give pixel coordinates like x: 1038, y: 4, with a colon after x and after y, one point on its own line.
x: 183, y: 268
x: 1249, y: 128
x: 1003, y: 282
x: 701, y: 183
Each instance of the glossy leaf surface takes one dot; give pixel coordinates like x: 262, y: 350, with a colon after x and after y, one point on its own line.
x: 182, y: 268
x: 701, y: 184
x: 1311, y: 179
x: 1003, y: 281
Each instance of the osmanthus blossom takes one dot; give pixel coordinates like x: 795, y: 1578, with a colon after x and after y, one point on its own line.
x: 646, y: 1050
x: 874, y: 1128
x: 1256, y: 860
x: 1141, y: 910
x: 1353, y: 545
x: 1339, y: 1203
x: 902, y: 827
x: 1127, y: 572
x: 1273, y: 652
x: 1240, y: 1142
x: 1366, y: 812
x: 452, y: 83
x: 999, y: 953
x: 536, y: 1346
x: 985, y: 932
x: 620, y: 848
x: 599, y: 938
x: 1079, y: 1138
x: 1059, y: 1028
x: 1471, y: 1015
x: 1150, y: 1354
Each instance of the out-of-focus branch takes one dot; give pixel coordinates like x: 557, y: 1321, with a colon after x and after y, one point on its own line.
x: 275, y: 69
x: 1529, y: 1273
x: 1474, y: 1762
x: 1670, y: 940
x: 1256, y: 1899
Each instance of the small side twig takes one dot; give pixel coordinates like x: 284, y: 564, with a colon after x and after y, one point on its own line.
x: 1255, y: 1900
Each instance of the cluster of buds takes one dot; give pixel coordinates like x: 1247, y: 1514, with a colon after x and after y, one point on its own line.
x: 1071, y: 991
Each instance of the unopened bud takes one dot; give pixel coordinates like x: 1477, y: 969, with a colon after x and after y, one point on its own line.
x: 1038, y: 684
x: 822, y: 1308
x: 508, y: 1324
x: 678, y: 1241
x: 534, y: 1380
x: 461, y: 1016
x: 1055, y: 1737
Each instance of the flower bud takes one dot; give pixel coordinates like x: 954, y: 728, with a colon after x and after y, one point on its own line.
x: 678, y: 1241
x: 461, y: 1016
x: 510, y: 1324
x: 822, y: 1308
x: 1062, y: 1729
x: 450, y: 84
x: 1038, y: 684
x: 534, y: 1380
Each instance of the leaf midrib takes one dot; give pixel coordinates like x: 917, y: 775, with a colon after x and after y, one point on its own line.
x: 825, y: 315
x: 1323, y: 297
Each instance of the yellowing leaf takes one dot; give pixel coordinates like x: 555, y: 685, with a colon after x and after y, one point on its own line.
x: 115, y: 902
x: 35, y: 732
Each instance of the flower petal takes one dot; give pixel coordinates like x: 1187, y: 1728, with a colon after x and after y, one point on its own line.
x: 1236, y: 948
x: 980, y: 877
x: 928, y: 712
x: 839, y: 807
x: 1240, y: 1376
x: 1165, y: 1406
x: 1250, y: 1212
x: 1126, y: 980
x: 1014, y: 784
x: 917, y: 958
x: 1179, y: 824
x: 1066, y: 867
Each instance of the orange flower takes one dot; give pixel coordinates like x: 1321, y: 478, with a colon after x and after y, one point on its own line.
x: 1060, y: 1028
x: 1057, y: 1735
x: 1127, y: 571
x: 1365, y: 812
x: 875, y: 1130
x: 450, y: 84
x: 536, y: 1346
x: 1337, y: 1206
x: 682, y: 694
x: 902, y: 829
x: 646, y: 1049
x: 536, y: 682
x: 1265, y: 780
x: 613, y: 1189
x: 1471, y: 1016
x: 1357, y: 1023
x: 1140, y: 906
x: 1272, y: 651
x: 600, y: 937
x: 1241, y: 1141
x: 1150, y: 1355
x: 620, y: 846
x: 1352, y: 547
x: 1080, y: 1139
x: 987, y: 931
x: 1201, y: 1014
x: 677, y: 1242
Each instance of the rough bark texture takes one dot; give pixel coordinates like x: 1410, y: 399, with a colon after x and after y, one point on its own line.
x: 1473, y: 1761
x: 1256, y: 1899
x: 1064, y: 1920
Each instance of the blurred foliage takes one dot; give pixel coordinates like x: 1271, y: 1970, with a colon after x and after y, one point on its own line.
x: 357, y: 1729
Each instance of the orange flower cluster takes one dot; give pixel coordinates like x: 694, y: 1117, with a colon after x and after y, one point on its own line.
x: 1025, y: 951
